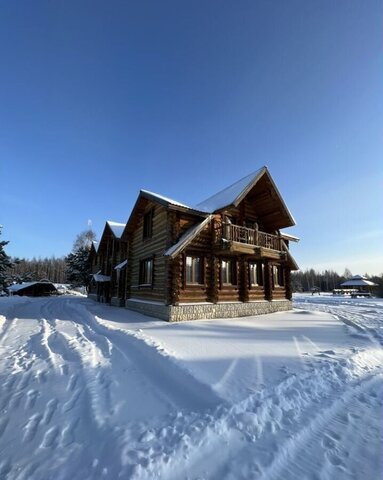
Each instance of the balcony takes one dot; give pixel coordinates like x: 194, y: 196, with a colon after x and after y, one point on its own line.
x: 232, y: 238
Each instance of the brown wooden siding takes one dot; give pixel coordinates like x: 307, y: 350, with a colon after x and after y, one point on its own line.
x: 154, y: 247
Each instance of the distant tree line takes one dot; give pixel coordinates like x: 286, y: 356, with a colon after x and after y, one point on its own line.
x: 327, y: 280
x: 74, y: 268
x: 23, y: 270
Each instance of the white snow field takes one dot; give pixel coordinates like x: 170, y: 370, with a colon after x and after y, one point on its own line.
x: 95, y: 392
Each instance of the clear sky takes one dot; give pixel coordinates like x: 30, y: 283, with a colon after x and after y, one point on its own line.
x: 101, y: 98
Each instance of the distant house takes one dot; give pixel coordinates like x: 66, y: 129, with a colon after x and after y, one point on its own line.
x: 108, y: 282
x: 33, y: 289
x: 360, y: 285
x: 225, y: 257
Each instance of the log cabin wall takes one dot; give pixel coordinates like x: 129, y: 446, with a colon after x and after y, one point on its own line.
x: 199, y: 247
x: 230, y: 292
x: 278, y: 276
x: 146, y: 248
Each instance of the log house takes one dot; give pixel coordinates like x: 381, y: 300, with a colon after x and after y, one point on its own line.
x: 225, y: 257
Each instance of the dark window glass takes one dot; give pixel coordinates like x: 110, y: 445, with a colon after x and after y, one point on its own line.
x: 146, y: 271
x: 228, y: 272
x: 193, y: 270
x: 148, y: 224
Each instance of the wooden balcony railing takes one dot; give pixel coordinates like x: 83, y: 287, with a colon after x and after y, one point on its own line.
x: 249, y: 236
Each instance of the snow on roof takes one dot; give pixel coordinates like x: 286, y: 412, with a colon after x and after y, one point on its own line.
x: 20, y: 286
x: 101, y: 278
x: 287, y: 236
x: 166, y: 199
x: 121, y: 265
x: 228, y: 195
x: 358, y: 281
x: 95, y: 245
x: 187, y: 237
x: 117, y: 228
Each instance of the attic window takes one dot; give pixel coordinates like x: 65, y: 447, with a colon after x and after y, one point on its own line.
x: 148, y: 224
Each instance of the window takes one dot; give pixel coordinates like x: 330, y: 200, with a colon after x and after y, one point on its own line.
x: 278, y: 276
x: 146, y: 271
x: 256, y: 274
x: 228, y: 272
x: 148, y: 224
x: 193, y: 272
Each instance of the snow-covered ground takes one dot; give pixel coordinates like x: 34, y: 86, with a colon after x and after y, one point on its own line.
x: 93, y: 392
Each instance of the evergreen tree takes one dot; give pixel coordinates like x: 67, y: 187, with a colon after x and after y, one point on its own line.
x: 77, y: 262
x: 5, y: 264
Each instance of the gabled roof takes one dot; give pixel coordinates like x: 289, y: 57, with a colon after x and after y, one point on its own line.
x: 117, y: 228
x: 235, y: 193
x: 144, y: 196
x: 168, y: 202
x: 358, y: 281
x: 95, y: 245
x: 162, y: 199
x: 187, y: 237
x: 230, y: 194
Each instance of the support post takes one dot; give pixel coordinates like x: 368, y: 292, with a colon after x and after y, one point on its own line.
x: 268, y: 281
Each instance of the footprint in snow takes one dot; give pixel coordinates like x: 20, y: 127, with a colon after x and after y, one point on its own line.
x: 41, y: 376
x: 24, y: 382
x: 31, y: 398
x: 16, y: 399
x: 67, y: 435
x: 50, y: 437
x: 72, y: 401
x: 72, y: 382
x: 49, y: 411
x: 334, y: 459
x: 31, y: 427
x: 328, y: 442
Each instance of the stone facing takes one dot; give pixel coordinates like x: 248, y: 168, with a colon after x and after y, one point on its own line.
x: 178, y: 313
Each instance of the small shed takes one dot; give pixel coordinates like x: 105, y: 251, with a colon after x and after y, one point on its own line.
x: 360, y: 284
x: 33, y: 289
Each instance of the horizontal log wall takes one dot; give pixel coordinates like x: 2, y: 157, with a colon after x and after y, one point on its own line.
x: 201, y: 246
x: 256, y: 293
x: 154, y: 247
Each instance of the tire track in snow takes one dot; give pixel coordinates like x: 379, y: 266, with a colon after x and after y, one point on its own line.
x: 170, y: 380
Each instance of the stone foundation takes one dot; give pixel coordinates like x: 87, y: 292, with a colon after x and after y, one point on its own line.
x: 194, y: 311
x: 117, y: 302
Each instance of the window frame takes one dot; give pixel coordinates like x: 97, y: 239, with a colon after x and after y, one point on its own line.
x: 143, y: 272
x: 278, y: 276
x: 259, y: 274
x: 193, y: 281
x: 231, y: 272
x: 147, y: 226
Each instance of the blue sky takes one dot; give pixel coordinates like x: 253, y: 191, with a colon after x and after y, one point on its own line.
x: 102, y: 98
